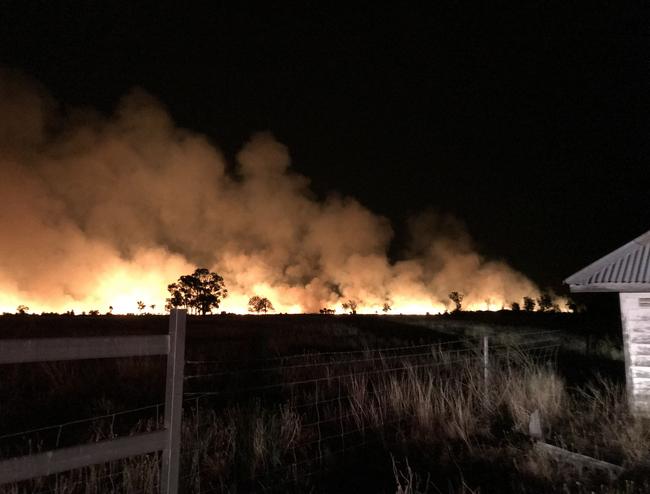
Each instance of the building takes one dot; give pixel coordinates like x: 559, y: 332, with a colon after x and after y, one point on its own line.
x: 627, y: 272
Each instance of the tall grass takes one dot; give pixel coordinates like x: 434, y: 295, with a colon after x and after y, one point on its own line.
x: 445, y: 418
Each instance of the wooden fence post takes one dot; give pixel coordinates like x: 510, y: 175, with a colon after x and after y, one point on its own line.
x: 173, y: 402
x: 15, y: 351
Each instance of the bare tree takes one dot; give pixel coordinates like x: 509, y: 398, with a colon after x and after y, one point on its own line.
x: 457, y: 299
x: 22, y: 309
x: 350, y: 306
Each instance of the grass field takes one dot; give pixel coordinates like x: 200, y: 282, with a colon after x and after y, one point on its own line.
x: 308, y: 404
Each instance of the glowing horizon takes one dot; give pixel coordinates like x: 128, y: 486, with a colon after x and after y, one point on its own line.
x: 123, y: 300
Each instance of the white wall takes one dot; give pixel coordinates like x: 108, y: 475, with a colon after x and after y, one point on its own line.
x: 635, y: 316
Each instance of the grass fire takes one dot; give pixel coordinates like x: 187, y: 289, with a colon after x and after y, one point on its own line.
x: 103, y: 212
x: 261, y: 248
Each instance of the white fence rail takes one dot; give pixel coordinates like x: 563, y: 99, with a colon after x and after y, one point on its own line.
x: 166, y: 440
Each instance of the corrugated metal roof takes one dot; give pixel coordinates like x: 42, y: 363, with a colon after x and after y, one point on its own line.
x: 626, y: 268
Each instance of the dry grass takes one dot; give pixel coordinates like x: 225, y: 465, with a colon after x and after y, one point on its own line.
x: 440, y: 411
x: 531, y: 388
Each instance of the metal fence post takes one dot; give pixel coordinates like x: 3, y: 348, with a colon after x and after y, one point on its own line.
x: 486, y: 365
x: 173, y: 402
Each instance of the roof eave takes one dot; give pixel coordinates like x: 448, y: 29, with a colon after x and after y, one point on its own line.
x: 610, y: 287
x: 581, y: 276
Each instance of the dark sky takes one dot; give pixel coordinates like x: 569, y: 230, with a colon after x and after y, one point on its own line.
x: 530, y: 123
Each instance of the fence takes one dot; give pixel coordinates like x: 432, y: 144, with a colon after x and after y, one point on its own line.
x: 307, y: 411
x: 304, y: 411
x: 166, y: 440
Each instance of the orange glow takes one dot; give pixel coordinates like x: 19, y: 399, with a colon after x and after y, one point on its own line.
x: 109, y: 213
x: 125, y: 286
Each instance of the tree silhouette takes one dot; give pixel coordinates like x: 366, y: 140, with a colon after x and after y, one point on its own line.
x: 545, y: 302
x: 22, y: 309
x: 457, y: 299
x: 327, y: 310
x: 386, y: 308
x: 515, y: 306
x: 350, y: 306
x: 529, y: 304
x: 259, y: 304
x: 199, y: 292
x: 141, y: 305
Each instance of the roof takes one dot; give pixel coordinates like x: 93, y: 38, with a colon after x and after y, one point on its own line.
x: 627, y: 269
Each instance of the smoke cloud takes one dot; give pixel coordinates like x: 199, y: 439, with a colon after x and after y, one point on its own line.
x: 100, y: 212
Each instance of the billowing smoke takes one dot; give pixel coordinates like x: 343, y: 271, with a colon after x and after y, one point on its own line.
x: 100, y: 212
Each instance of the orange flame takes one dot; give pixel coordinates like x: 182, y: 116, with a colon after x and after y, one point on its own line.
x: 122, y: 288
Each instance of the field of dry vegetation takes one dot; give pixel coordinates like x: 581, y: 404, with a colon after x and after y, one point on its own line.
x: 339, y: 404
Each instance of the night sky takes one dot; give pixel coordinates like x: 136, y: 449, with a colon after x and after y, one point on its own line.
x: 530, y: 123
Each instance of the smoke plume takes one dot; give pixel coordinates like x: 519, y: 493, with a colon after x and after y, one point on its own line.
x: 100, y: 212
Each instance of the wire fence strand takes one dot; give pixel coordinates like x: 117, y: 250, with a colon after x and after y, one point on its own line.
x: 252, y: 389
x: 329, y: 410
x: 324, y: 354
